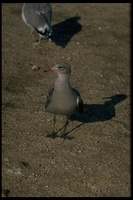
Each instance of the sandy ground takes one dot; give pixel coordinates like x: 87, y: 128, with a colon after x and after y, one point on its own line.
x: 94, y: 161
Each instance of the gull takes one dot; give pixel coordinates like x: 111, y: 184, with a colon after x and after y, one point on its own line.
x: 62, y: 99
x: 38, y: 17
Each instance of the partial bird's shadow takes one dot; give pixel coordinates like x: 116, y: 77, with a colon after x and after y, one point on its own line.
x: 98, y: 112
x: 64, y: 31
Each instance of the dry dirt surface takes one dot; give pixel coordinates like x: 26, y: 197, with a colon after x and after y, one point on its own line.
x: 94, y: 159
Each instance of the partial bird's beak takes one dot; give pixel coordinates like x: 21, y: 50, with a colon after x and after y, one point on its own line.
x: 48, y: 70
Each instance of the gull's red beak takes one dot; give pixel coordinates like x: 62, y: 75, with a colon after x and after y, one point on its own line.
x: 48, y: 70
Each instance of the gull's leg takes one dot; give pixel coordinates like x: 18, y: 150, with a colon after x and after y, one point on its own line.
x: 39, y: 39
x: 65, y: 126
x: 54, y: 121
x: 31, y: 33
x: 38, y: 42
x: 50, y: 40
x: 53, y: 134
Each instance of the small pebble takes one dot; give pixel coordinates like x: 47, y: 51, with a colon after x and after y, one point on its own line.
x: 99, y: 28
x: 35, y: 68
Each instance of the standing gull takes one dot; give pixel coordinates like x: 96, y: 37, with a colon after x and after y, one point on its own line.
x: 38, y: 16
x: 63, y: 99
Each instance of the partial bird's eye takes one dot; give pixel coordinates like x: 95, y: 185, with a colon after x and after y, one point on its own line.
x: 60, y: 67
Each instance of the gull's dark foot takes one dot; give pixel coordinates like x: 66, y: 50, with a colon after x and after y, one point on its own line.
x: 52, y: 135
x: 65, y: 136
x: 37, y: 43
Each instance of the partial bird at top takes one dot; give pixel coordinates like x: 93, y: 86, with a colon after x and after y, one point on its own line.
x: 38, y: 16
x: 63, y: 99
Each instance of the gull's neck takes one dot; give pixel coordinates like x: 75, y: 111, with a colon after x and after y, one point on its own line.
x: 62, y: 82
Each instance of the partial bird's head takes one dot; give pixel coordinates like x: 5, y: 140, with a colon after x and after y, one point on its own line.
x: 60, y: 68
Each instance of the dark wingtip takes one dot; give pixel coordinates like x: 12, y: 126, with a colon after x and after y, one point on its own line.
x: 80, y: 105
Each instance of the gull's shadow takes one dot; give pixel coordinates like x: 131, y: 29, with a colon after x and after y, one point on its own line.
x: 64, y: 31
x: 98, y: 112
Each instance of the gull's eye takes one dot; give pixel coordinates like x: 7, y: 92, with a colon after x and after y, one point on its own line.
x: 60, y: 67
